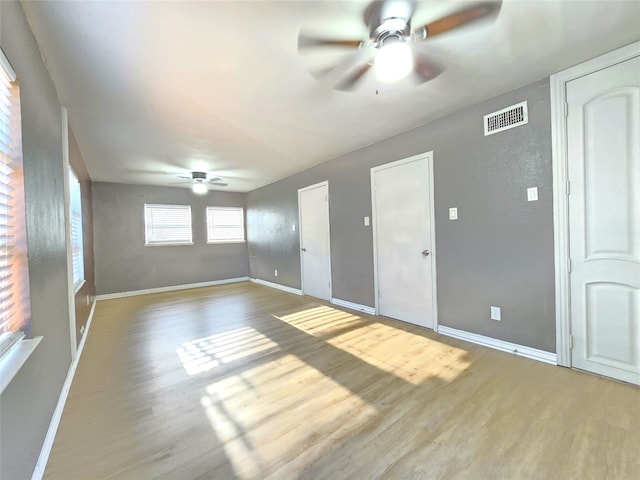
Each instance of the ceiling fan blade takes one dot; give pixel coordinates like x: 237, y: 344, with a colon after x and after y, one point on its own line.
x: 219, y: 184
x: 480, y: 11
x: 350, y: 81
x: 179, y: 183
x: 424, y: 68
x: 307, y: 41
x: 214, y: 179
x: 185, y: 176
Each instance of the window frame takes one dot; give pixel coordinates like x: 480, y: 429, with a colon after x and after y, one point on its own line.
x: 75, y: 188
x: 167, y: 243
x: 210, y: 240
x: 16, y: 343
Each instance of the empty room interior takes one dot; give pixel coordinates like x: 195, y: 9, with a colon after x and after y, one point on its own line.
x: 310, y: 239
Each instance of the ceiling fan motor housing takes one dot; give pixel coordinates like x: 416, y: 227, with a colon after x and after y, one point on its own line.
x: 389, y: 21
x: 199, y: 177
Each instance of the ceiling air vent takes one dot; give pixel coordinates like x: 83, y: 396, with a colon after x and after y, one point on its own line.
x: 506, y: 118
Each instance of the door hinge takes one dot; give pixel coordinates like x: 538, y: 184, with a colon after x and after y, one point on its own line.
x: 566, y: 109
x: 570, y: 342
x: 568, y: 187
x: 569, y: 265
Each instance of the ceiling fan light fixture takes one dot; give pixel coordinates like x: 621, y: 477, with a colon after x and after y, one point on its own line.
x: 199, y: 188
x: 393, y: 61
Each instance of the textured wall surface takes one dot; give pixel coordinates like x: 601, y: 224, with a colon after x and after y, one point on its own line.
x: 28, y: 402
x: 87, y: 292
x: 124, y: 264
x: 500, y: 251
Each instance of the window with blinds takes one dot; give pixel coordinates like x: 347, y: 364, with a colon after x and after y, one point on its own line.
x: 75, y: 212
x: 15, y: 314
x: 167, y: 224
x: 225, y: 224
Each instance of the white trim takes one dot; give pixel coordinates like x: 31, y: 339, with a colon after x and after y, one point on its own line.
x: 558, y: 83
x: 13, y: 360
x: 434, y: 289
x: 520, y: 350
x: 71, y: 294
x: 300, y: 191
x: 38, y: 472
x: 133, y: 293
x: 4, y: 61
x: 353, y: 306
x: 295, y: 291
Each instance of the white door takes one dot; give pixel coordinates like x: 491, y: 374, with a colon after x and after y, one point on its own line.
x: 603, y: 128
x: 402, y: 236
x: 315, y: 259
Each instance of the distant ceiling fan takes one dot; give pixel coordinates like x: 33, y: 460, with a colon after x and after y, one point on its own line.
x: 390, y: 46
x: 200, y: 183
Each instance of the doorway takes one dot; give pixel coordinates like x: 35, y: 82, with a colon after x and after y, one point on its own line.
x: 404, y: 240
x: 599, y: 324
x: 315, y: 246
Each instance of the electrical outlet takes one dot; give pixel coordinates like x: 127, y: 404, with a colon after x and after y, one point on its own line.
x: 453, y: 213
x: 81, y: 330
x: 532, y: 194
x: 496, y: 313
x: 366, y: 221
x: 275, y: 273
x: 87, y: 300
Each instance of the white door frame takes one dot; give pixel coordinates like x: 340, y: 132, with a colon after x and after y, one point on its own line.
x: 300, y: 190
x: 71, y: 294
x: 561, y: 187
x: 432, y: 212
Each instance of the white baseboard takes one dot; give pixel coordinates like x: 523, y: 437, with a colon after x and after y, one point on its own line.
x: 353, y: 306
x: 284, y: 288
x: 521, y: 350
x: 132, y: 293
x: 38, y: 472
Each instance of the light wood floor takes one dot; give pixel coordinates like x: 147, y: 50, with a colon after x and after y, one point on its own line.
x: 243, y: 381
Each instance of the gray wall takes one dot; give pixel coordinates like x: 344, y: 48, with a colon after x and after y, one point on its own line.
x: 87, y: 292
x: 500, y: 251
x: 124, y: 264
x: 28, y: 402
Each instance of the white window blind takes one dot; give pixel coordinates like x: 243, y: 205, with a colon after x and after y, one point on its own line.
x: 15, y: 315
x: 225, y: 224
x: 167, y: 224
x: 75, y: 207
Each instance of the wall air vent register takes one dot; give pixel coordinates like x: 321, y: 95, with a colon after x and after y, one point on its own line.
x: 506, y: 118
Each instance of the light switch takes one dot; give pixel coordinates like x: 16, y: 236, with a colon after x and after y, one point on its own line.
x: 366, y: 221
x: 293, y: 227
x: 453, y: 213
x: 495, y: 313
x: 532, y: 194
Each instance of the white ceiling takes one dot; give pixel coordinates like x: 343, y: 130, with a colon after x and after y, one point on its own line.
x: 157, y: 89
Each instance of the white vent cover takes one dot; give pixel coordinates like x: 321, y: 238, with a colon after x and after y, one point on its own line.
x: 506, y: 118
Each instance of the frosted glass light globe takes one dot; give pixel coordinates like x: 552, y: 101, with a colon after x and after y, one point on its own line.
x: 393, y: 62
x: 199, y: 188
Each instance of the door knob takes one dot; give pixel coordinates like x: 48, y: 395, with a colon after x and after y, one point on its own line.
x: 303, y: 249
x: 425, y: 253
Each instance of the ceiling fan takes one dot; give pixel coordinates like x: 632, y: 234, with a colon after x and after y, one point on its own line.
x: 390, y: 48
x: 200, y: 183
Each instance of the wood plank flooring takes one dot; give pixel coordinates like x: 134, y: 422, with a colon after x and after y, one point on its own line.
x: 245, y: 382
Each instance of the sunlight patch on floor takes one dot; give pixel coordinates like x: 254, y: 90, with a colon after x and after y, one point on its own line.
x: 344, y: 330
x: 203, y: 354
x: 246, y: 420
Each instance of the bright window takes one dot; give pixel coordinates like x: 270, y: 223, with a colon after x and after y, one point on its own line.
x: 15, y: 310
x: 225, y: 224
x: 75, y: 207
x: 167, y: 224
